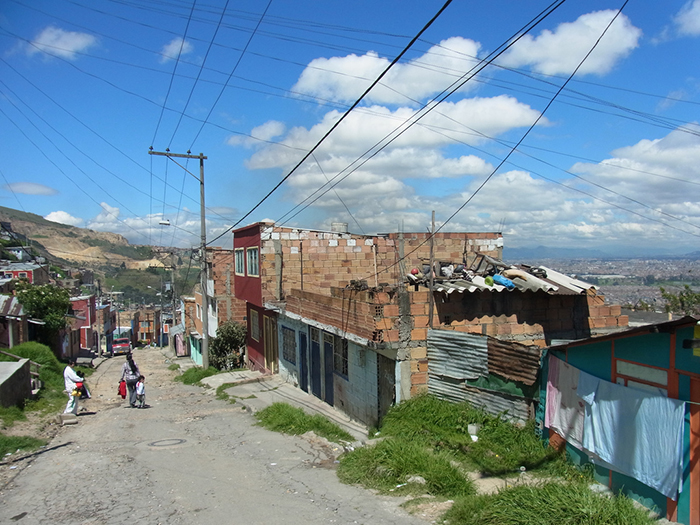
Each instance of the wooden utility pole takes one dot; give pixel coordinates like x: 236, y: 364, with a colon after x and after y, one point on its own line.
x: 203, y: 246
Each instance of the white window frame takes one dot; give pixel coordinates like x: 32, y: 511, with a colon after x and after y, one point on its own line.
x: 253, y: 261
x: 239, y: 261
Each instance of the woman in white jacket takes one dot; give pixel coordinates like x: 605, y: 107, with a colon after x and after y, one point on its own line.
x: 71, y: 378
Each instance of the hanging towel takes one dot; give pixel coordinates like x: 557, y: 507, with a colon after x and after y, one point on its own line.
x: 564, y: 411
x: 637, y: 433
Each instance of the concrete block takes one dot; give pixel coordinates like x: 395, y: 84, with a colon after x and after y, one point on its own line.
x: 68, y: 419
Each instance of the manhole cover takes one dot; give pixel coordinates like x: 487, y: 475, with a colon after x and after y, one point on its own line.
x: 167, y: 443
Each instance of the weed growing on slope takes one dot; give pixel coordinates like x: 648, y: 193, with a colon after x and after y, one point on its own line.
x: 547, y: 504
x: 287, y: 419
x: 194, y: 375
x: 391, y: 464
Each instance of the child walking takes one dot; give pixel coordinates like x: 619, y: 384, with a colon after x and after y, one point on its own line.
x: 141, y: 391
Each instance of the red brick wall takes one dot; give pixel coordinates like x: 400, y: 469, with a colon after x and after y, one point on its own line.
x: 228, y: 306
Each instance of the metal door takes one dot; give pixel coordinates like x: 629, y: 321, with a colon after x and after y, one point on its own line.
x: 315, y: 363
x: 328, y: 367
x: 386, y: 385
x: 303, y: 365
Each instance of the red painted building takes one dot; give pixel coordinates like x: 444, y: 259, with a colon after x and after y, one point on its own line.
x: 85, y: 312
x: 34, y: 273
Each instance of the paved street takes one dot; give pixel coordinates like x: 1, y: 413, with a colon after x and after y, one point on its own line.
x: 189, y: 458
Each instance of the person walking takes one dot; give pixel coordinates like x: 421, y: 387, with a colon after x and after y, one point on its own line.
x: 130, y: 374
x: 141, y: 392
x: 71, y: 378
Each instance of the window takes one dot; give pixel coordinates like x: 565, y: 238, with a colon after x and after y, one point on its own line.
x: 340, y: 356
x: 22, y: 275
x: 254, y: 325
x: 144, y: 324
x: 289, y: 345
x: 199, y: 312
x: 253, y: 262
x: 240, y: 261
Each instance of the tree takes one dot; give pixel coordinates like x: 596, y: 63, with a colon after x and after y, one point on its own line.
x: 225, y: 350
x: 46, y: 302
x: 686, y: 302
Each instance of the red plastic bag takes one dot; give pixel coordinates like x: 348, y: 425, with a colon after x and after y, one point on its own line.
x: 122, y: 389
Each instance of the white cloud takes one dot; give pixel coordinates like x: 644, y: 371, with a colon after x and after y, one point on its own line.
x: 62, y: 217
x: 58, y: 42
x: 30, y: 188
x: 346, y: 78
x: 263, y: 133
x: 175, y: 48
x: 687, y: 20
x: 364, y: 128
x: 652, y: 171
x: 560, y: 51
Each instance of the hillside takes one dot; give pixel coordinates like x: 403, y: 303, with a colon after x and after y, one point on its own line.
x: 63, y: 243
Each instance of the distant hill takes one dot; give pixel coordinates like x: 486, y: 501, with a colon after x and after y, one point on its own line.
x: 62, y: 243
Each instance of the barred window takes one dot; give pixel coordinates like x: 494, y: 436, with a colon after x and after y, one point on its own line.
x: 253, y: 262
x: 254, y: 325
x: 340, y: 356
x: 240, y: 261
x: 289, y: 345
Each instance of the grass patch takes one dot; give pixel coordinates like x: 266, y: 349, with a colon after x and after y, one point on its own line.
x: 174, y: 366
x: 51, y: 397
x: 287, y: 419
x: 546, y: 504
x: 11, y: 414
x: 194, y: 375
x: 388, y: 465
x: 9, y: 444
x: 502, y: 447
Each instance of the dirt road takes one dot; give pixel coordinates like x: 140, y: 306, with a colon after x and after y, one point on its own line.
x: 188, y: 459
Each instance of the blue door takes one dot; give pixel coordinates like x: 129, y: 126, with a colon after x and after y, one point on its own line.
x: 315, y: 363
x: 303, y: 366
x: 328, y: 367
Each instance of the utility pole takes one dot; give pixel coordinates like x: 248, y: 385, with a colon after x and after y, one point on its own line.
x: 203, y: 246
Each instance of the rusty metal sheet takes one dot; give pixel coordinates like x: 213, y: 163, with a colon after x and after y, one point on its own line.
x: 513, y: 361
x: 516, y: 409
x: 457, y: 355
x: 10, y: 306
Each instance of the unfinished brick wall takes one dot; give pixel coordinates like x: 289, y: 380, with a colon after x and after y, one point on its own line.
x: 317, y: 261
x: 348, y: 311
x: 530, y: 318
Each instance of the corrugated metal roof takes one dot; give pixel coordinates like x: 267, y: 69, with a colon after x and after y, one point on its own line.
x: 10, y: 306
x: 553, y: 283
x: 513, y: 361
x: 457, y: 355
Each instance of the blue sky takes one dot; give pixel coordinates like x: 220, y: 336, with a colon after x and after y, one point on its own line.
x: 86, y: 87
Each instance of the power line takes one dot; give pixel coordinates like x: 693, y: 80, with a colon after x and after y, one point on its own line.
x: 427, y: 108
x: 337, y: 123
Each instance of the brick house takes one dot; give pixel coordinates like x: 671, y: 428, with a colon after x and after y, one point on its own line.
x: 336, y: 314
